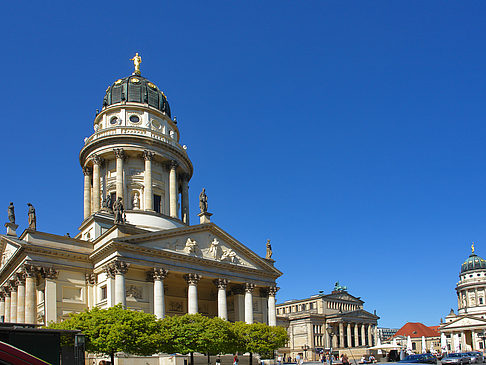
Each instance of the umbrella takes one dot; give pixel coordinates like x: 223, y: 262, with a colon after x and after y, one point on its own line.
x: 385, y: 346
x: 409, y: 345
x: 424, y: 350
x: 378, y: 343
x: 443, y: 342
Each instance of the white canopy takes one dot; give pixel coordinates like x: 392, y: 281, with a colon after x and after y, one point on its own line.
x: 385, y: 346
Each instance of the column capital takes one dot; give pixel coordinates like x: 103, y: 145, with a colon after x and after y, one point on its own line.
x: 12, y: 287
x: 49, y: 273
x: 20, y: 279
x: 97, y: 160
x: 158, y: 273
x: 192, y: 279
x: 221, y: 283
x: 249, y: 287
x: 29, y: 270
x: 119, y: 153
x: 109, y: 271
x: 148, y: 155
x: 90, y: 278
x: 119, y: 267
x: 6, y: 290
x: 87, y: 171
x: 173, y: 164
x: 272, y: 291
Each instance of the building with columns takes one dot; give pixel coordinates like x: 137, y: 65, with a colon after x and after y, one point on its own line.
x: 463, y: 330
x: 152, y: 259
x: 307, y: 319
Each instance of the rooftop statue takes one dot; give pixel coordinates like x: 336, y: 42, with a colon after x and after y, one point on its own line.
x: 269, y: 250
x: 137, y: 60
x: 32, y: 218
x: 203, y: 201
x: 11, y: 213
x: 472, y: 246
x: 338, y: 287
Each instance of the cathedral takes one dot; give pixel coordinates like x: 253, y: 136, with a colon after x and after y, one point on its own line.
x: 466, y: 330
x: 135, y: 245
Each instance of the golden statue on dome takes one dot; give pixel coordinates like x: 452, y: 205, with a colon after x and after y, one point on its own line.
x: 472, y: 247
x: 137, y: 60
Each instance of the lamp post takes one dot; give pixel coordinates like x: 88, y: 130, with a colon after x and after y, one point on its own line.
x: 305, y: 348
x: 330, y: 332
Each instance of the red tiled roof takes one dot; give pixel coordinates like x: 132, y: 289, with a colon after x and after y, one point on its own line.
x: 416, y: 329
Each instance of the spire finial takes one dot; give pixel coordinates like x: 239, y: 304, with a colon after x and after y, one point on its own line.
x: 137, y: 60
x: 472, y: 247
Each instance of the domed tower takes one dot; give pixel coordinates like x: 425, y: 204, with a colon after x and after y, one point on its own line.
x: 471, y: 288
x: 134, y: 154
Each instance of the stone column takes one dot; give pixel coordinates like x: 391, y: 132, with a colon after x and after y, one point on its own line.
x: 341, y: 335
x: 192, y: 280
x: 7, y: 304
x: 335, y: 340
x: 159, y: 301
x: 173, y: 189
x: 110, y: 278
x: 120, y: 156
x: 30, y: 298
x: 463, y: 341
x: 185, y: 199
x: 363, y: 335
x: 222, y: 306
x: 120, y: 268
x: 97, y: 161
x: 473, y: 338
x: 50, y: 294
x: 20, y: 298
x: 356, y: 335
x: 249, y: 287
x: 13, y: 302
x: 87, y: 192
x: 370, y: 338
x: 90, y: 282
x: 2, y: 306
x: 147, y: 180
x: 375, y: 333
x: 348, y: 328
x: 272, y: 312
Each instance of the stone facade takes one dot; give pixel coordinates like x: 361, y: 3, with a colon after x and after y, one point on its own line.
x: 152, y: 259
x: 307, y: 320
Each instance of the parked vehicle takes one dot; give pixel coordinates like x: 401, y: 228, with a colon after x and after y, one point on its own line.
x: 420, y: 359
x: 456, y: 358
x: 476, y: 357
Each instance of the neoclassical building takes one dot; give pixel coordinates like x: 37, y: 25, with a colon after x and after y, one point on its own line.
x: 152, y: 259
x: 463, y: 330
x: 307, y: 321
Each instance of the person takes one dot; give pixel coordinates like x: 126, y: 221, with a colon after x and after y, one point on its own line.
x: 345, y: 360
x: 372, y: 359
x: 279, y: 360
x: 235, y: 360
x: 297, y: 359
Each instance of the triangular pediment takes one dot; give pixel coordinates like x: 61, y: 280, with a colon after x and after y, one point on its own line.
x: 207, y: 242
x: 465, y: 321
x: 7, y: 252
x: 342, y: 296
x: 358, y: 314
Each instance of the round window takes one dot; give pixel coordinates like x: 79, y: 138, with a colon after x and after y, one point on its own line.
x: 134, y: 119
x: 156, y: 124
x: 114, y: 121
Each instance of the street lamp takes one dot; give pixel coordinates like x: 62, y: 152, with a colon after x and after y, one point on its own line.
x: 330, y: 332
x: 305, y: 348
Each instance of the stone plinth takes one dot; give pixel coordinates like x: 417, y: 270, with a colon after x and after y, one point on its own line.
x: 204, y: 217
x: 11, y: 229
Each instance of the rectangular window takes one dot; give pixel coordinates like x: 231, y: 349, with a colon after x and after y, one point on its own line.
x: 413, y: 346
x: 104, y: 293
x: 157, y: 201
x: 113, y: 198
x: 480, y: 300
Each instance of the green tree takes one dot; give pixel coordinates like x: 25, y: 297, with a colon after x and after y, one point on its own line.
x: 259, y: 338
x: 116, y: 330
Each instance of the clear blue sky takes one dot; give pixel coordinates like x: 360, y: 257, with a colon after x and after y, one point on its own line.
x: 349, y: 133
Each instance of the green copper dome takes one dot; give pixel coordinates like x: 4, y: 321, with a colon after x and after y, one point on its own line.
x: 473, y: 262
x: 136, y: 89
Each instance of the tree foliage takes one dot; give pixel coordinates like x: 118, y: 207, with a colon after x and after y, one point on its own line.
x: 121, y: 330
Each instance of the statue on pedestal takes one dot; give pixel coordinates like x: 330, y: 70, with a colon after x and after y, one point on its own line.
x: 203, y: 201
x: 269, y: 250
x: 32, y: 218
x: 136, y: 202
x: 137, y: 60
x: 11, y: 213
x: 119, y: 211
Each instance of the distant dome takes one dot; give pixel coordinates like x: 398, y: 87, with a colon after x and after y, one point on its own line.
x: 136, y: 89
x: 473, y: 262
